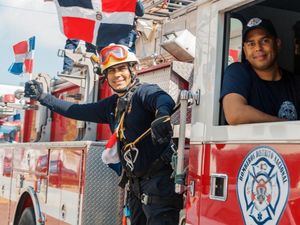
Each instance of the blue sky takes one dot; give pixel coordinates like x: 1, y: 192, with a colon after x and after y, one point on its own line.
x: 21, y: 19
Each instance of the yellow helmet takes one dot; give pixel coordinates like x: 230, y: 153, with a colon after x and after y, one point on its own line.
x: 115, y: 54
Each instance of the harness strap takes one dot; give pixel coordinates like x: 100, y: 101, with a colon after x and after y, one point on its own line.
x: 123, y: 109
x: 147, y: 132
x: 161, y: 162
x: 149, y: 200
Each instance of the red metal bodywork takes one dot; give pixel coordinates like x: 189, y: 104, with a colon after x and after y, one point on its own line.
x: 63, y: 128
x: 6, y: 173
x: 103, y: 130
x: 60, y: 169
x: 227, y: 159
x: 29, y: 124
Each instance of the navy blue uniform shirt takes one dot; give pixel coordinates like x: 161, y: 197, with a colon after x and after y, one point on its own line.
x: 276, y: 98
x: 147, y: 99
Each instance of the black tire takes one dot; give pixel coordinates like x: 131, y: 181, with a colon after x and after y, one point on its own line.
x: 27, y: 217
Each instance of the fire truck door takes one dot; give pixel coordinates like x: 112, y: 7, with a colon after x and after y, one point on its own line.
x: 5, y: 184
x: 54, y: 188
x: 71, y: 171
x: 65, y: 183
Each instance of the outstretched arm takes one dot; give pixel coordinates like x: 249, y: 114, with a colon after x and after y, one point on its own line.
x: 94, y: 112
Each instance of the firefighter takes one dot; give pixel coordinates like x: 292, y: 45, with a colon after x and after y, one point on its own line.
x: 131, y: 111
x: 259, y: 90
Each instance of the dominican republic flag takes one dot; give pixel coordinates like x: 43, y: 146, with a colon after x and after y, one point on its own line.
x: 99, y: 22
x: 23, y: 57
x: 110, y: 154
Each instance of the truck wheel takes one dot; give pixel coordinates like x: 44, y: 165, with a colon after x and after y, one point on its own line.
x: 27, y: 217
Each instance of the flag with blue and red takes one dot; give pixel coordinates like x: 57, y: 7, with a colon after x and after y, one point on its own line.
x: 99, y: 22
x: 23, y: 57
x: 110, y: 154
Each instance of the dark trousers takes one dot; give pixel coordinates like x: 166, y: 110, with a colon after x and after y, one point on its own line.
x: 164, y: 213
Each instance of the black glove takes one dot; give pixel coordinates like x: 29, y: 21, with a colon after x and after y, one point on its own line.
x: 161, y: 130
x: 33, y: 89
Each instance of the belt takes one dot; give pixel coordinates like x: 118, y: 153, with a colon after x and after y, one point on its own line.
x: 176, y: 201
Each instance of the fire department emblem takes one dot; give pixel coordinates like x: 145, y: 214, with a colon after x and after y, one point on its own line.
x: 263, y: 186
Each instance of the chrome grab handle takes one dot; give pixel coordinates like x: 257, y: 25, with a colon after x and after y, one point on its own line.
x: 218, y: 186
x: 186, y: 99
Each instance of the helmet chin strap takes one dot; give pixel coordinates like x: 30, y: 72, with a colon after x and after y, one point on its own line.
x: 121, y: 91
x: 132, y: 82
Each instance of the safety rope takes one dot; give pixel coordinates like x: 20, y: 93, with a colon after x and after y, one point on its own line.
x: 147, y: 132
x: 120, y: 128
x: 130, y: 150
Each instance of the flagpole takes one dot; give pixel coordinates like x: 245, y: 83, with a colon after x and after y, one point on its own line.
x: 31, y: 51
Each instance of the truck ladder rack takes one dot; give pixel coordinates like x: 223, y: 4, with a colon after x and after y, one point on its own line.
x: 164, y: 8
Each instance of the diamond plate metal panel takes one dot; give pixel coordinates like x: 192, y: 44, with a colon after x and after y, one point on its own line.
x: 169, y: 82
x: 160, y: 77
x: 163, y: 79
x: 102, y: 201
x: 183, y: 69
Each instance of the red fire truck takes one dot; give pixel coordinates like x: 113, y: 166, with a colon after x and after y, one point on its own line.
x: 56, y: 173
x: 243, y: 174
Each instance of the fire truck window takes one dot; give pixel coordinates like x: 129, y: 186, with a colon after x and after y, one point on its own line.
x: 235, y: 41
x: 233, y: 50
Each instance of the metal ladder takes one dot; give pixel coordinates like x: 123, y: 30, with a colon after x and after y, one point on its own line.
x: 165, y: 8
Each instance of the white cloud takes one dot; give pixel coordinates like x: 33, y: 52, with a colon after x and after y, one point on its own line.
x: 25, y: 18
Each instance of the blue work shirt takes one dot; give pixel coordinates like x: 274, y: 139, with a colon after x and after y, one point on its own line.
x: 276, y: 98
